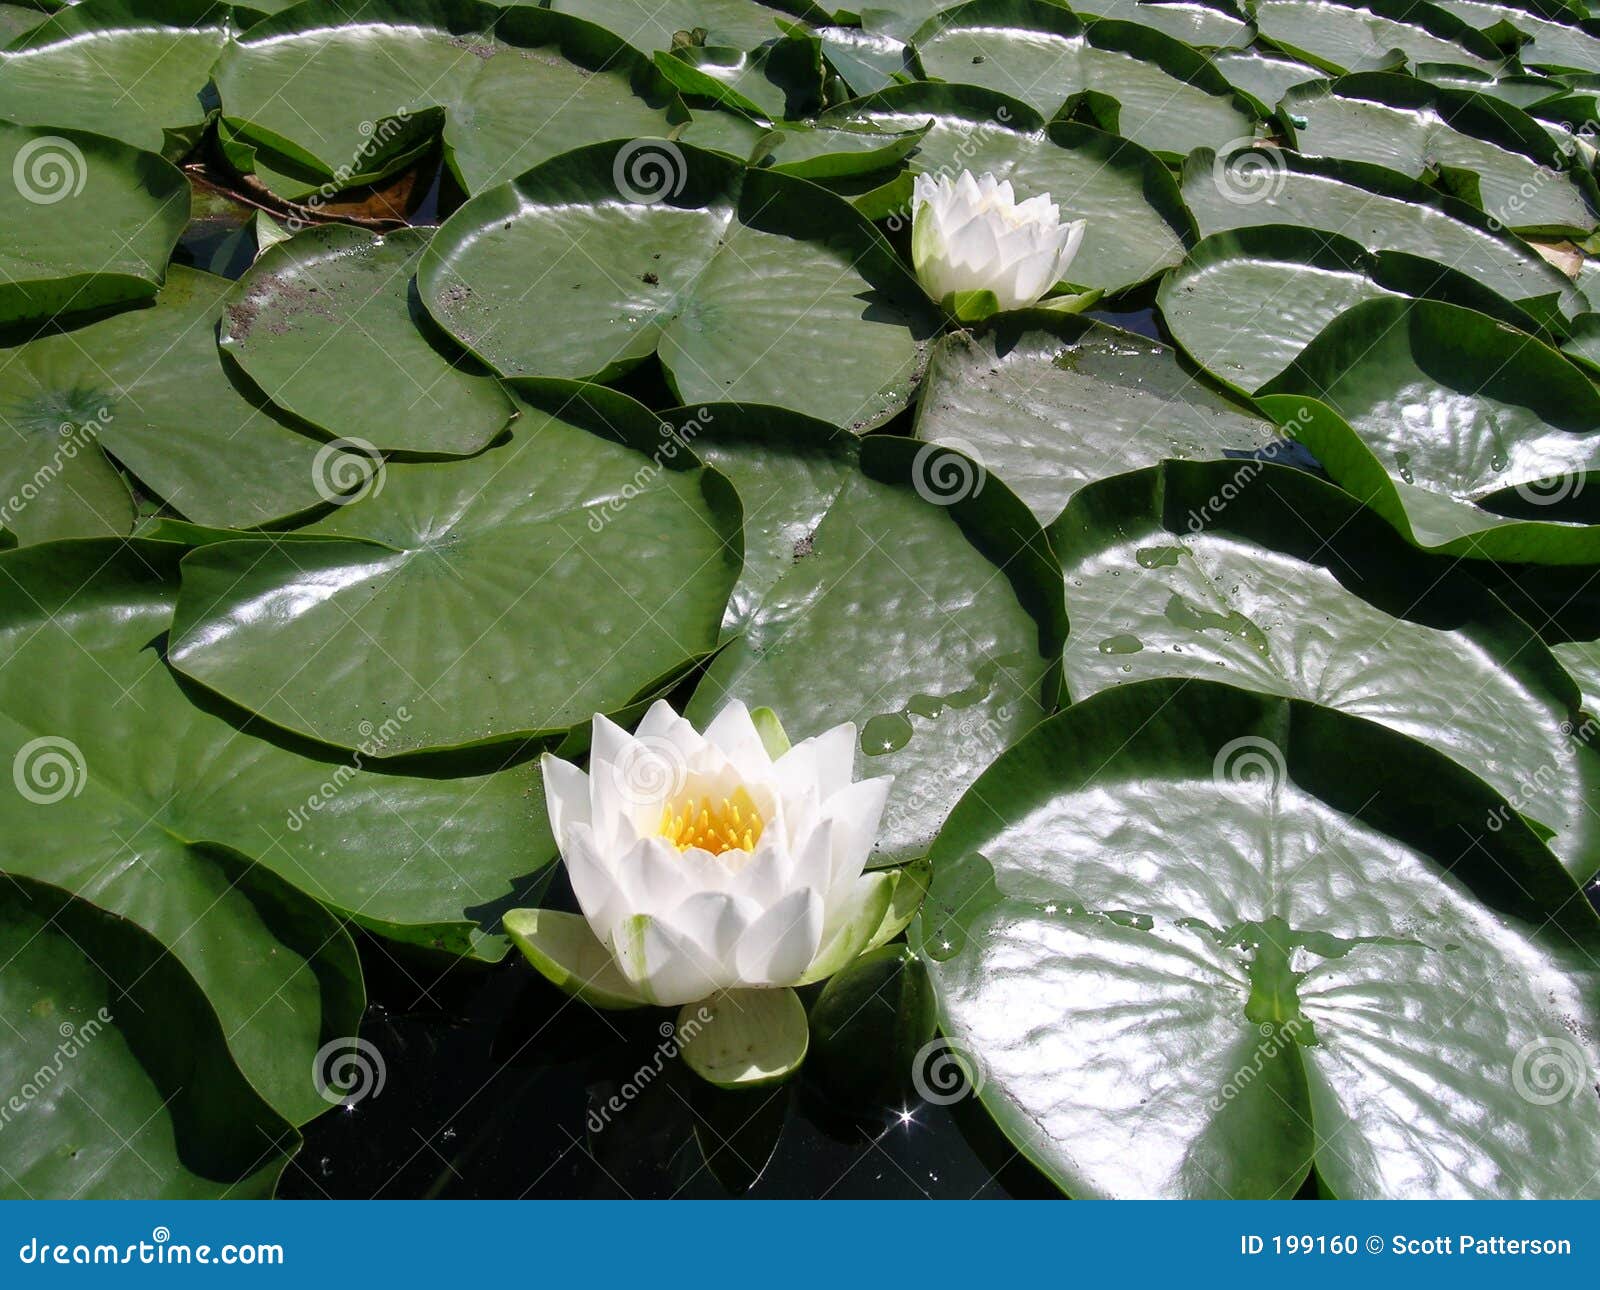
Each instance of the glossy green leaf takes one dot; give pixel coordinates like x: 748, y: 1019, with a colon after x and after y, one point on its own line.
x: 1553, y: 44
x: 1522, y: 178
x: 922, y: 610
x: 569, y: 955
x: 726, y: 24
x: 1137, y: 225
x: 131, y: 69
x: 1380, y: 210
x: 1244, y: 303
x: 1051, y: 403
x: 1339, y: 968
x: 1467, y: 435
x: 89, y: 222
x: 744, y: 281
x: 328, y: 326
x: 782, y: 78
x: 351, y: 94
x: 104, y: 1102
x: 1131, y: 80
x: 1272, y: 580
x: 1202, y: 25
x: 1264, y: 77
x: 557, y: 574
x: 869, y: 1027
x: 113, y: 767
x: 148, y: 385
x: 1364, y: 35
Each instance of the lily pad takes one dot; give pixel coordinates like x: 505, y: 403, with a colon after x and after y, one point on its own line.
x: 1380, y: 210
x: 1129, y: 79
x: 1197, y: 24
x: 1339, y: 969
x: 1553, y: 44
x: 465, y: 578
x: 119, y: 831
x: 1469, y: 436
x: 1519, y: 175
x: 923, y: 611
x: 149, y: 386
x: 744, y: 1038
x: 107, y: 1104
x: 787, y: 471
x: 328, y: 326
x: 89, y: 222
x: 1245, y: 303
x: 744, y: 281
x: 1051, y: 403
x: 725, y: 24
x: 1264, y: 77
x: 1272, y: 580
x: 352, y: 95
x: 1137, y: 225
x: 134, y: 70
x: 1365, y: 35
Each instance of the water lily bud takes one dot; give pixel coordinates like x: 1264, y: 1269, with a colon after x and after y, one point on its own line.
x: 971, y: 234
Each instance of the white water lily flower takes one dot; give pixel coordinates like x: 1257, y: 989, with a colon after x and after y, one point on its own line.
x: 702, y: 863
x: 971, y: 234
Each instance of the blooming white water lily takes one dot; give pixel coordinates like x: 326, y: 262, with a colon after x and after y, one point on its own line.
x: 704, y: 863
x: 972, y: 234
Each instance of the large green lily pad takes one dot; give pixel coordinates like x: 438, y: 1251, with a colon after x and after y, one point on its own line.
x: 328, y: 325
x: 1365, y: 35
x: 89, y: 222
x: 1521, y: 177
x: 728, y: 24
x: 1338, y: 969
x: 1272, y: 580
x: 1553, y: 43
x: 1264, y: 77
x: 148, y: 385
x: 1137, y: 225
x: 1132, y: 80
x: 131, y: 69
x: 1378, y: 209
x: 110, y: 762
x: 350, y: 93
x: 512, y: 595
x: 745, y: 282
x: 108, y: 1105
x: 921, y: 609
x: 1050, y: 403
x: 1469, y: 436
x: 1244, y: 303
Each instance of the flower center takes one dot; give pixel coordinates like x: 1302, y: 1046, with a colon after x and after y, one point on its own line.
x: 714, y: 824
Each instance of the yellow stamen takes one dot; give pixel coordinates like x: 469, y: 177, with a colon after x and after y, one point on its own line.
x: 714, y: 824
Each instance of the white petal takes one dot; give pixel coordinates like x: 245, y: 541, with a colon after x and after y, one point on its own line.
x: 779, y: 946
x: 594, y: 881
x: 826, y: 762
x: 660, y: 720
x: 735, y: 734
x: 856, y: 813
x: 566, y: 795
x: 657, y: 877
x: 714, y: 921
x: 662, y: 963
